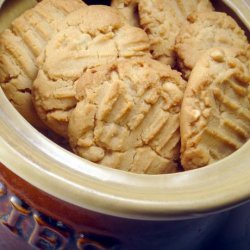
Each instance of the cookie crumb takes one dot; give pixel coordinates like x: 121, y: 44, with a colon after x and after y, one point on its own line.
x: 217, y: 55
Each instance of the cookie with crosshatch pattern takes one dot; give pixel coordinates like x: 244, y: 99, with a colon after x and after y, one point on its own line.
x: 85, y: 41
x: 163, y: 19
x: 215, y: 113
x: 22, y: 43
x: 204, y: 31
x: 127, y: 116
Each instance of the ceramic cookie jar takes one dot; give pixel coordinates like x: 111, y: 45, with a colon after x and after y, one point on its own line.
x: 51, y: 198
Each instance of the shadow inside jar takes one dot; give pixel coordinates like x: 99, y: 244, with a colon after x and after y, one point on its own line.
x: 105, y: 2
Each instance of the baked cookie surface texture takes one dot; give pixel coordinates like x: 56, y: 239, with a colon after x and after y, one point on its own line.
x: 215, y: 113
x: 127, y: 116
x: 162, y: 20
x: 205, y: 31
x: 82, y: 43
x: 21, y: 44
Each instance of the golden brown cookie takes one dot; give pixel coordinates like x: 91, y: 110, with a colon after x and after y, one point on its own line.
x: 127, y: 116
x: 129, y: 9
x: 81, y: 44
x: 21, y: 44
x: 204, y: 31
x: 215, y: 113
x: 162, y: 20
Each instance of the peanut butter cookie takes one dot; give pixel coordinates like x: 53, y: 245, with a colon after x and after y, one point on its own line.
x: 21, y: 44
x: 215, y: 113
x: 162, y: 20
x: 127, y: 116
x: 204, y: 31
x: 85, y: 41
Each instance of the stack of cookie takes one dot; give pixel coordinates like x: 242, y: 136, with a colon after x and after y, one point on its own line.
x: 161, y: 20
x: 98, y: 87
x: 102, y: 78
x: 21, y: 44
x: 212, y: 53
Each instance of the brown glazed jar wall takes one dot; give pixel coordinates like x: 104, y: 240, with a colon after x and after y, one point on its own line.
x: 30, y: 217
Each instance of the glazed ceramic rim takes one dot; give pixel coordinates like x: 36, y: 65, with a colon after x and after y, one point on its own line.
x: 164, y: 197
